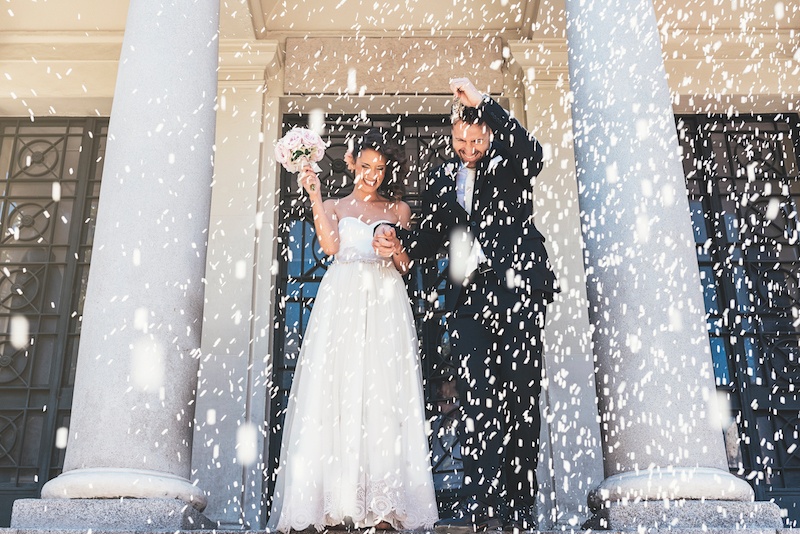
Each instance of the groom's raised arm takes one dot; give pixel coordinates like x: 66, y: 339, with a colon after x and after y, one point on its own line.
x: 512, y: 139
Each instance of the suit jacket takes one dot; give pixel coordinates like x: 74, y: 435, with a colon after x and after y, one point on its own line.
x: 502, y: 211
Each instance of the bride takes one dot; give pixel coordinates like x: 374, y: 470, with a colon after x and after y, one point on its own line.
x: 354, y: 450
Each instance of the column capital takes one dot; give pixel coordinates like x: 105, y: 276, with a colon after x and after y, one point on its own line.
x: 542, y: 61
x: 248, y: 62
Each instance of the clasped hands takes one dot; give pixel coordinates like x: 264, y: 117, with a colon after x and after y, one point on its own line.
x: 385, y: 241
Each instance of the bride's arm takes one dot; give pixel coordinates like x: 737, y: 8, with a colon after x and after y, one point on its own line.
x: 327, y: 227
x: 400, y: 257
x: 324, y: 213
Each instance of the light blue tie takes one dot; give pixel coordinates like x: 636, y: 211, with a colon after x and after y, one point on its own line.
x: 461, y: 187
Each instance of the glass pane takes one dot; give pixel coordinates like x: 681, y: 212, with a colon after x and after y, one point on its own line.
x: 719, y: 355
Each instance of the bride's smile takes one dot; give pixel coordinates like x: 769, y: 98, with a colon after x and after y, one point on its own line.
x: 370, y: 169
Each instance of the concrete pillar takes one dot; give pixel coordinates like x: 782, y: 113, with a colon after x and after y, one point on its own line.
x: 663, y: 452
x: 130, y: 432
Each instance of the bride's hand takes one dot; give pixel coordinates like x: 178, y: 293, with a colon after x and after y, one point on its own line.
x: 384, y: 247
x: 385, y: 241
x: 310, y: 182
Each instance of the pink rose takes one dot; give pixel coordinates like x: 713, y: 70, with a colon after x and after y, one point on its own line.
x: 281, y: 153
x: 314, y: 143
x: 309, y: 138
x: 293, y: 140
x: 321, y: 146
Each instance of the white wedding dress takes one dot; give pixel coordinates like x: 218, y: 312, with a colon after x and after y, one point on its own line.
x: 354, y: 447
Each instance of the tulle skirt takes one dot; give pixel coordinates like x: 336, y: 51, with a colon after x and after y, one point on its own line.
x: 355, y: 448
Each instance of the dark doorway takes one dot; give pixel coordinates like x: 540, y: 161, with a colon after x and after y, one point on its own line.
x: 49, y: 190
x: 744, y: 191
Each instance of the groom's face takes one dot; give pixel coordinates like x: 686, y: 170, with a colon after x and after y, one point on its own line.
x: 470, y: 142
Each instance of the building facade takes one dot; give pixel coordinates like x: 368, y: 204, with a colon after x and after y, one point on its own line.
x: 136, y: 145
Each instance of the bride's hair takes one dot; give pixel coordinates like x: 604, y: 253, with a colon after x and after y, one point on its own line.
x: 388, y: 143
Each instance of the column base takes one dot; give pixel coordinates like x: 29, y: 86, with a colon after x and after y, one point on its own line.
x: 687, y: 514
x: 670, y: 484
x: 149, y: 515
x: 116, y: 483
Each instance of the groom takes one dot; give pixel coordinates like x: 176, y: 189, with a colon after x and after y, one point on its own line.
x: 480, y: 206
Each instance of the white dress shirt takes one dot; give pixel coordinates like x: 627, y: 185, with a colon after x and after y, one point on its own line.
x: 465, y: 188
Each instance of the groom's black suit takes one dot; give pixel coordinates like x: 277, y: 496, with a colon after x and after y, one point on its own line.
x: 497, y: 316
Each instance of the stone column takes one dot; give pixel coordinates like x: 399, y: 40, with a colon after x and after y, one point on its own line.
x: 663, y: 451
x: 130, y: 432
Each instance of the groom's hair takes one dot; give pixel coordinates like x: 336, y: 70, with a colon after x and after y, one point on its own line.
x: 466, y: 114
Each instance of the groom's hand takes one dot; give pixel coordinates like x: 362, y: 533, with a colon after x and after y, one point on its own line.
x: 464, y: 90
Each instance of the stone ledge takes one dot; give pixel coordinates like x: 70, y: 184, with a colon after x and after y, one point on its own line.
x: 705, y: 516
x: 117, y: 515
x: 367, y: 531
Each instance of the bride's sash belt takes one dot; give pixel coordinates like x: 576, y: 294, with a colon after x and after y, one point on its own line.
x: 357, y: 256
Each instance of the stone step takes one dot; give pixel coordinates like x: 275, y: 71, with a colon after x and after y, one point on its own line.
x: 151, y: 516
x: 372, y: 531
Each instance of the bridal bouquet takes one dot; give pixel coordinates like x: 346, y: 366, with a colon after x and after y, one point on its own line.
x: 298, y: 148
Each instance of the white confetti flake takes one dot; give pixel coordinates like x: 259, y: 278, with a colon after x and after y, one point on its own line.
x: 241, y: 269
x: 140, y: 319
x: 642, y: 232
x: 147, y: 365
x: 773, y: 208
x: 316, y: 121
x: 458, y: 254
x: 246, y: 448
x: 612, y: 174
x: 61, y: 437
x: 20, y: 331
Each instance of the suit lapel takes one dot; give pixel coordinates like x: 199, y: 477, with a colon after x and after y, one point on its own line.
x: 483, y: 168
x: 480, y: 178
x: 448, y: 184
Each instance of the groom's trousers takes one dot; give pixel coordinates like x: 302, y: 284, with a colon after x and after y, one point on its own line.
x: 496, y: 342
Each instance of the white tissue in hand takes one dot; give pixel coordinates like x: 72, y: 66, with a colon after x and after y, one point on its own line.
x: 461, y: 240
